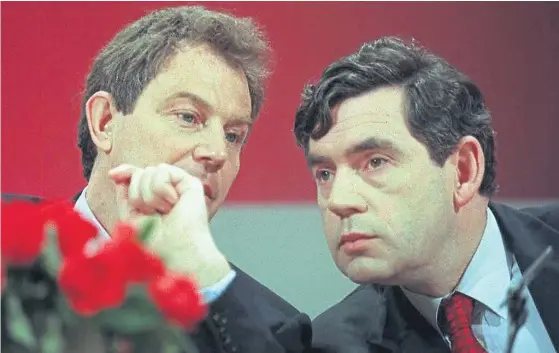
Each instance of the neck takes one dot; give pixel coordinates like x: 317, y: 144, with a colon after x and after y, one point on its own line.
x: 101, y: 198
x: 442, y: 276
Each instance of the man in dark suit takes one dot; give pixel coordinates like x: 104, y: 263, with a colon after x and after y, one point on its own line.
x: 401, y: 146
x: 168, y: 105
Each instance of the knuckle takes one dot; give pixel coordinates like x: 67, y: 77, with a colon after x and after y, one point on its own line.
x: 148, y: 197
x: 161, y: 186
x: 159, y: 190
x: 137, y: 174
x: 163, y: 167
x: 175, y: 169
x: 135, y: 201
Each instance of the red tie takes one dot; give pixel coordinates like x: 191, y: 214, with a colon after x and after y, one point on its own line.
x: 458, y: 311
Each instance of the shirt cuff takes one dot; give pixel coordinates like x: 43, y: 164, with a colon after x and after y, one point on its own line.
x: 212, y: 293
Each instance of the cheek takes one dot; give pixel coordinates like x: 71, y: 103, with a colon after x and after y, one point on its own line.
x: 235, y: 161
x: 145, y: 143
x: 329, y: 221
x: 229, y: 172
x: 330, y: 224
x: 321, y: 201
x: 414, y: 216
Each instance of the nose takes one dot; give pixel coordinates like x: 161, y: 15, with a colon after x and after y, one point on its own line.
x: 344, y: 199
x: 211, y: 152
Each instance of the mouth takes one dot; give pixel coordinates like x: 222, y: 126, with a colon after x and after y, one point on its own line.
x: 355, y: 242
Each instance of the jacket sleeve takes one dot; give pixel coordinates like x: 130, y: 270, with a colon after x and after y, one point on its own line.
x: 249, y: 318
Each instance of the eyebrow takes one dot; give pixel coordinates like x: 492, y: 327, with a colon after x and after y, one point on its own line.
x: 372, y: 143
x: 199, y: 101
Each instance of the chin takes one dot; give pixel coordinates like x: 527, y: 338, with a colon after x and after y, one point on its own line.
x: 364, y: 270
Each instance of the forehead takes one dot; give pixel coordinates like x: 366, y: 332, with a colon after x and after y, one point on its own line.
x: 376, y: 114
x: 200, y: 72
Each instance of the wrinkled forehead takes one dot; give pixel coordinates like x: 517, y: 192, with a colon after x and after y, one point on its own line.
x: 203, y: 77
x: 378, y: 114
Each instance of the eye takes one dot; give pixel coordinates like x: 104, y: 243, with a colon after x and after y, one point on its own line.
x: 237, y: 134
x: 323, y: 175
x: 188, y: 118
x: 235, y: 137
x: 376, y: 163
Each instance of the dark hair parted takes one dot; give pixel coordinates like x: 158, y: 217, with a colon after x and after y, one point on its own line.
x: 442, y: 104
x: 135, y: 56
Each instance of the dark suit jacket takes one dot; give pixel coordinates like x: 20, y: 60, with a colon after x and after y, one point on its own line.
x: 247, y: 318
x: 380, y: 318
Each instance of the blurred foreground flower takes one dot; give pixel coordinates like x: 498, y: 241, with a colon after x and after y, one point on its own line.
x: 121, y: 294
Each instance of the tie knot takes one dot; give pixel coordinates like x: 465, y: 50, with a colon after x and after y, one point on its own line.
x: 458, y: 310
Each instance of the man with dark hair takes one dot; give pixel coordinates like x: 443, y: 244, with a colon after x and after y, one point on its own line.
x: 401, y: 147
x: 168, y: 105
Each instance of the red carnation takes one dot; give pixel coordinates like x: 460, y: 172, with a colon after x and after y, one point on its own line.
x: 178, y: 299
x: 93, y: 283
x: 141, y: 265
x: 23, y: 231
x: 99, y: 282
x: 73, y: 231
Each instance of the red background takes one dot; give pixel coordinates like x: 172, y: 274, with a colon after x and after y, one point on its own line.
x: 509, y: 49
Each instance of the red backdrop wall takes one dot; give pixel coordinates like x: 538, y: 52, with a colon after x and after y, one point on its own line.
x: 510, y: 49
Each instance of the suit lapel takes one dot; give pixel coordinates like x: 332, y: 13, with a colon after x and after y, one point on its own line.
x: 527, y: 237
x: 406, y: 330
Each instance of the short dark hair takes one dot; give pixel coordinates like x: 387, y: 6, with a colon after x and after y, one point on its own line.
x: 442, y: 104
x: 133, y: 58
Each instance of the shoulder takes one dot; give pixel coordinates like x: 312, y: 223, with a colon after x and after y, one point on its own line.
x: 548, y: 214
x: 7, y: 197
x: 363, y: 309
x: 364, y: 295
x: 248, y: 289
x: 535, y: 215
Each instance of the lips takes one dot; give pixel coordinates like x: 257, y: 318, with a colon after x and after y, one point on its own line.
x: 353, y: 237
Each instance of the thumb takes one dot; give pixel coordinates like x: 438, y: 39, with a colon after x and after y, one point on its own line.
x: 190, y: 185
x: 191, y: 209
x: 191, y: 197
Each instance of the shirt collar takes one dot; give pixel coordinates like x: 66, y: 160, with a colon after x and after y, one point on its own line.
x: 486, y: 278
x: 82, y: 207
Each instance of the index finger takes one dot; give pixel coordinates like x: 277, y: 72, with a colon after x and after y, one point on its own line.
x: 122, y: 173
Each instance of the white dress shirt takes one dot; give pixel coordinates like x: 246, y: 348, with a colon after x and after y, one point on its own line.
x: 209, y: 294
x: 486, y: 280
